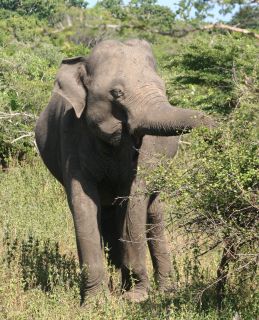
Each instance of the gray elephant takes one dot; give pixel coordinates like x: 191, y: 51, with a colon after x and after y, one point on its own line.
x: 108, y: 113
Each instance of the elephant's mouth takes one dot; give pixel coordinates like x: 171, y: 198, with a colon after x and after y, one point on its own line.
x: 109, y: 134
x: 114, y: 139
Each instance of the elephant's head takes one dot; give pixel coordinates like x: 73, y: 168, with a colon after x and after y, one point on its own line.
x: 117, y: 90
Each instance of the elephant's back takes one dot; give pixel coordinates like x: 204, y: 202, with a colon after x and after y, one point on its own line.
x: 47, y: 135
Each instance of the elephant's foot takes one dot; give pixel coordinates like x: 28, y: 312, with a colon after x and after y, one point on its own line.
x: 95, y: 298
x: 136, y: 295
x: 167, y: 288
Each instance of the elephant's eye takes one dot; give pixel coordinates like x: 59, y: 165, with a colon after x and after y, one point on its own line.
x: 116, y: 93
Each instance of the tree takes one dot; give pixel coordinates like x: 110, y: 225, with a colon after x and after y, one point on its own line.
x: 201, y: 9
x: 247, y: 17
x: 150, y: 13
x: 110, y: 4
x: 41, y: 8
x: 115, y: 7
x: 78, y: 3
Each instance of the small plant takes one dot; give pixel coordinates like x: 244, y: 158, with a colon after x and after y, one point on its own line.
x: 41, y: 263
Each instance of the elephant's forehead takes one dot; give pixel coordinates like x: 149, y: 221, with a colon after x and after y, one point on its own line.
x: 121, y: 59
x: 126, y: 72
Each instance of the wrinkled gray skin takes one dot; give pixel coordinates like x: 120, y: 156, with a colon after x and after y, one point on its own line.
x: 98, y: 128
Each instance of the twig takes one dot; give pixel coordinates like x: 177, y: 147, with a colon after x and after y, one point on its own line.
x: 219, y: 279
x: 7, y: 115
x: 210, y: 248
x: 30, y: 134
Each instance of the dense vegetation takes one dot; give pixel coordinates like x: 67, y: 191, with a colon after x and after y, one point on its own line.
x: 211, y: 188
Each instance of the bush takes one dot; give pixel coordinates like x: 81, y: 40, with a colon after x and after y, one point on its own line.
x: 41, y: 8
x: 212, y: 191
x: 26, y: 80
x: 210, y: 71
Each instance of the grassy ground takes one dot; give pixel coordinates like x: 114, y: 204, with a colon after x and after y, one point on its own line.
x: 39, y: 271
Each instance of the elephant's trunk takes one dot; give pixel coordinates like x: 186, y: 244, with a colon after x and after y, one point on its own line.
x: 165, y: 120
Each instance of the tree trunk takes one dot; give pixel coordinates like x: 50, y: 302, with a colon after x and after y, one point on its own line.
x: 222, y: 272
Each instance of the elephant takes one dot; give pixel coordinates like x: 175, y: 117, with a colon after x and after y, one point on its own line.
x: 108, y: 114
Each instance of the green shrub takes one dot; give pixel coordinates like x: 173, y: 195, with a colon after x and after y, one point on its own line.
x: 210, y: 71
x: 212, y: 191
x: 41, y: 8
x: 26, y: 83
x: 26, y: 30
x: 42, y: 265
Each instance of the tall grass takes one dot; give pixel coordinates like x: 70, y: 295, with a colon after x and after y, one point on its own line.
x: 39, y: 273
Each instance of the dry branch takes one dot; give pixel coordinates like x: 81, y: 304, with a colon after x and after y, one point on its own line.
x: 184, y: 32
x: 9, y: 115
x: 173, y: 33
x: 222, y: 26
x: 30, y: 134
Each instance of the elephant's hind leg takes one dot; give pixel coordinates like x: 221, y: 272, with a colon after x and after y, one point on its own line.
x: 111, y: 235
x: 133, y: 241
x: 158, y: 244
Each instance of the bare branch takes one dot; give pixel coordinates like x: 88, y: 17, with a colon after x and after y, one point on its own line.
x: 9, y: 115
x: 30, y: 134
x: 222, y: 26
x: 183, y: 32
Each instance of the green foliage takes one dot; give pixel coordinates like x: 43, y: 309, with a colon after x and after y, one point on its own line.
x: 77, y: 3
x: 115, y: 7
x: 24, y: 69
x: 110, y: 4
x: 42, y: 8
x: 199, y: 10
x: 29, y: 61
x: 212, y: 73
x: 223, y: 179
x: 247, y: 17
x: 212, y: 189
x: 149, y: 13
x: 25, y: 30
x: 141, y: 14
x: 42, y: 265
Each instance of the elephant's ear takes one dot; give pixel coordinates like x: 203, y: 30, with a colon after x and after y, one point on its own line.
x: 71, y: 82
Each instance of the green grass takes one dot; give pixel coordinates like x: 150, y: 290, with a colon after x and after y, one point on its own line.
x: 39, y: 272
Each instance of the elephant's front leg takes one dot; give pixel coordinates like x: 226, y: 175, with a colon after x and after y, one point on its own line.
x: 83, y: 200
x: 134, y: 272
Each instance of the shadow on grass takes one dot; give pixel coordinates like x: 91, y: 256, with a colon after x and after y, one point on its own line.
x: 41, y: 263
x: 200, y: 300
x: 182, y: 299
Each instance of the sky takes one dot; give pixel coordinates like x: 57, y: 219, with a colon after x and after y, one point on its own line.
x: 172, y: 4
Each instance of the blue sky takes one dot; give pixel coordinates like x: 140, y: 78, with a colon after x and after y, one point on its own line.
x: 172, y: 4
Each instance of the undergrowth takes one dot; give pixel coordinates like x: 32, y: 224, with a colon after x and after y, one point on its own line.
x: 39, y: 274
